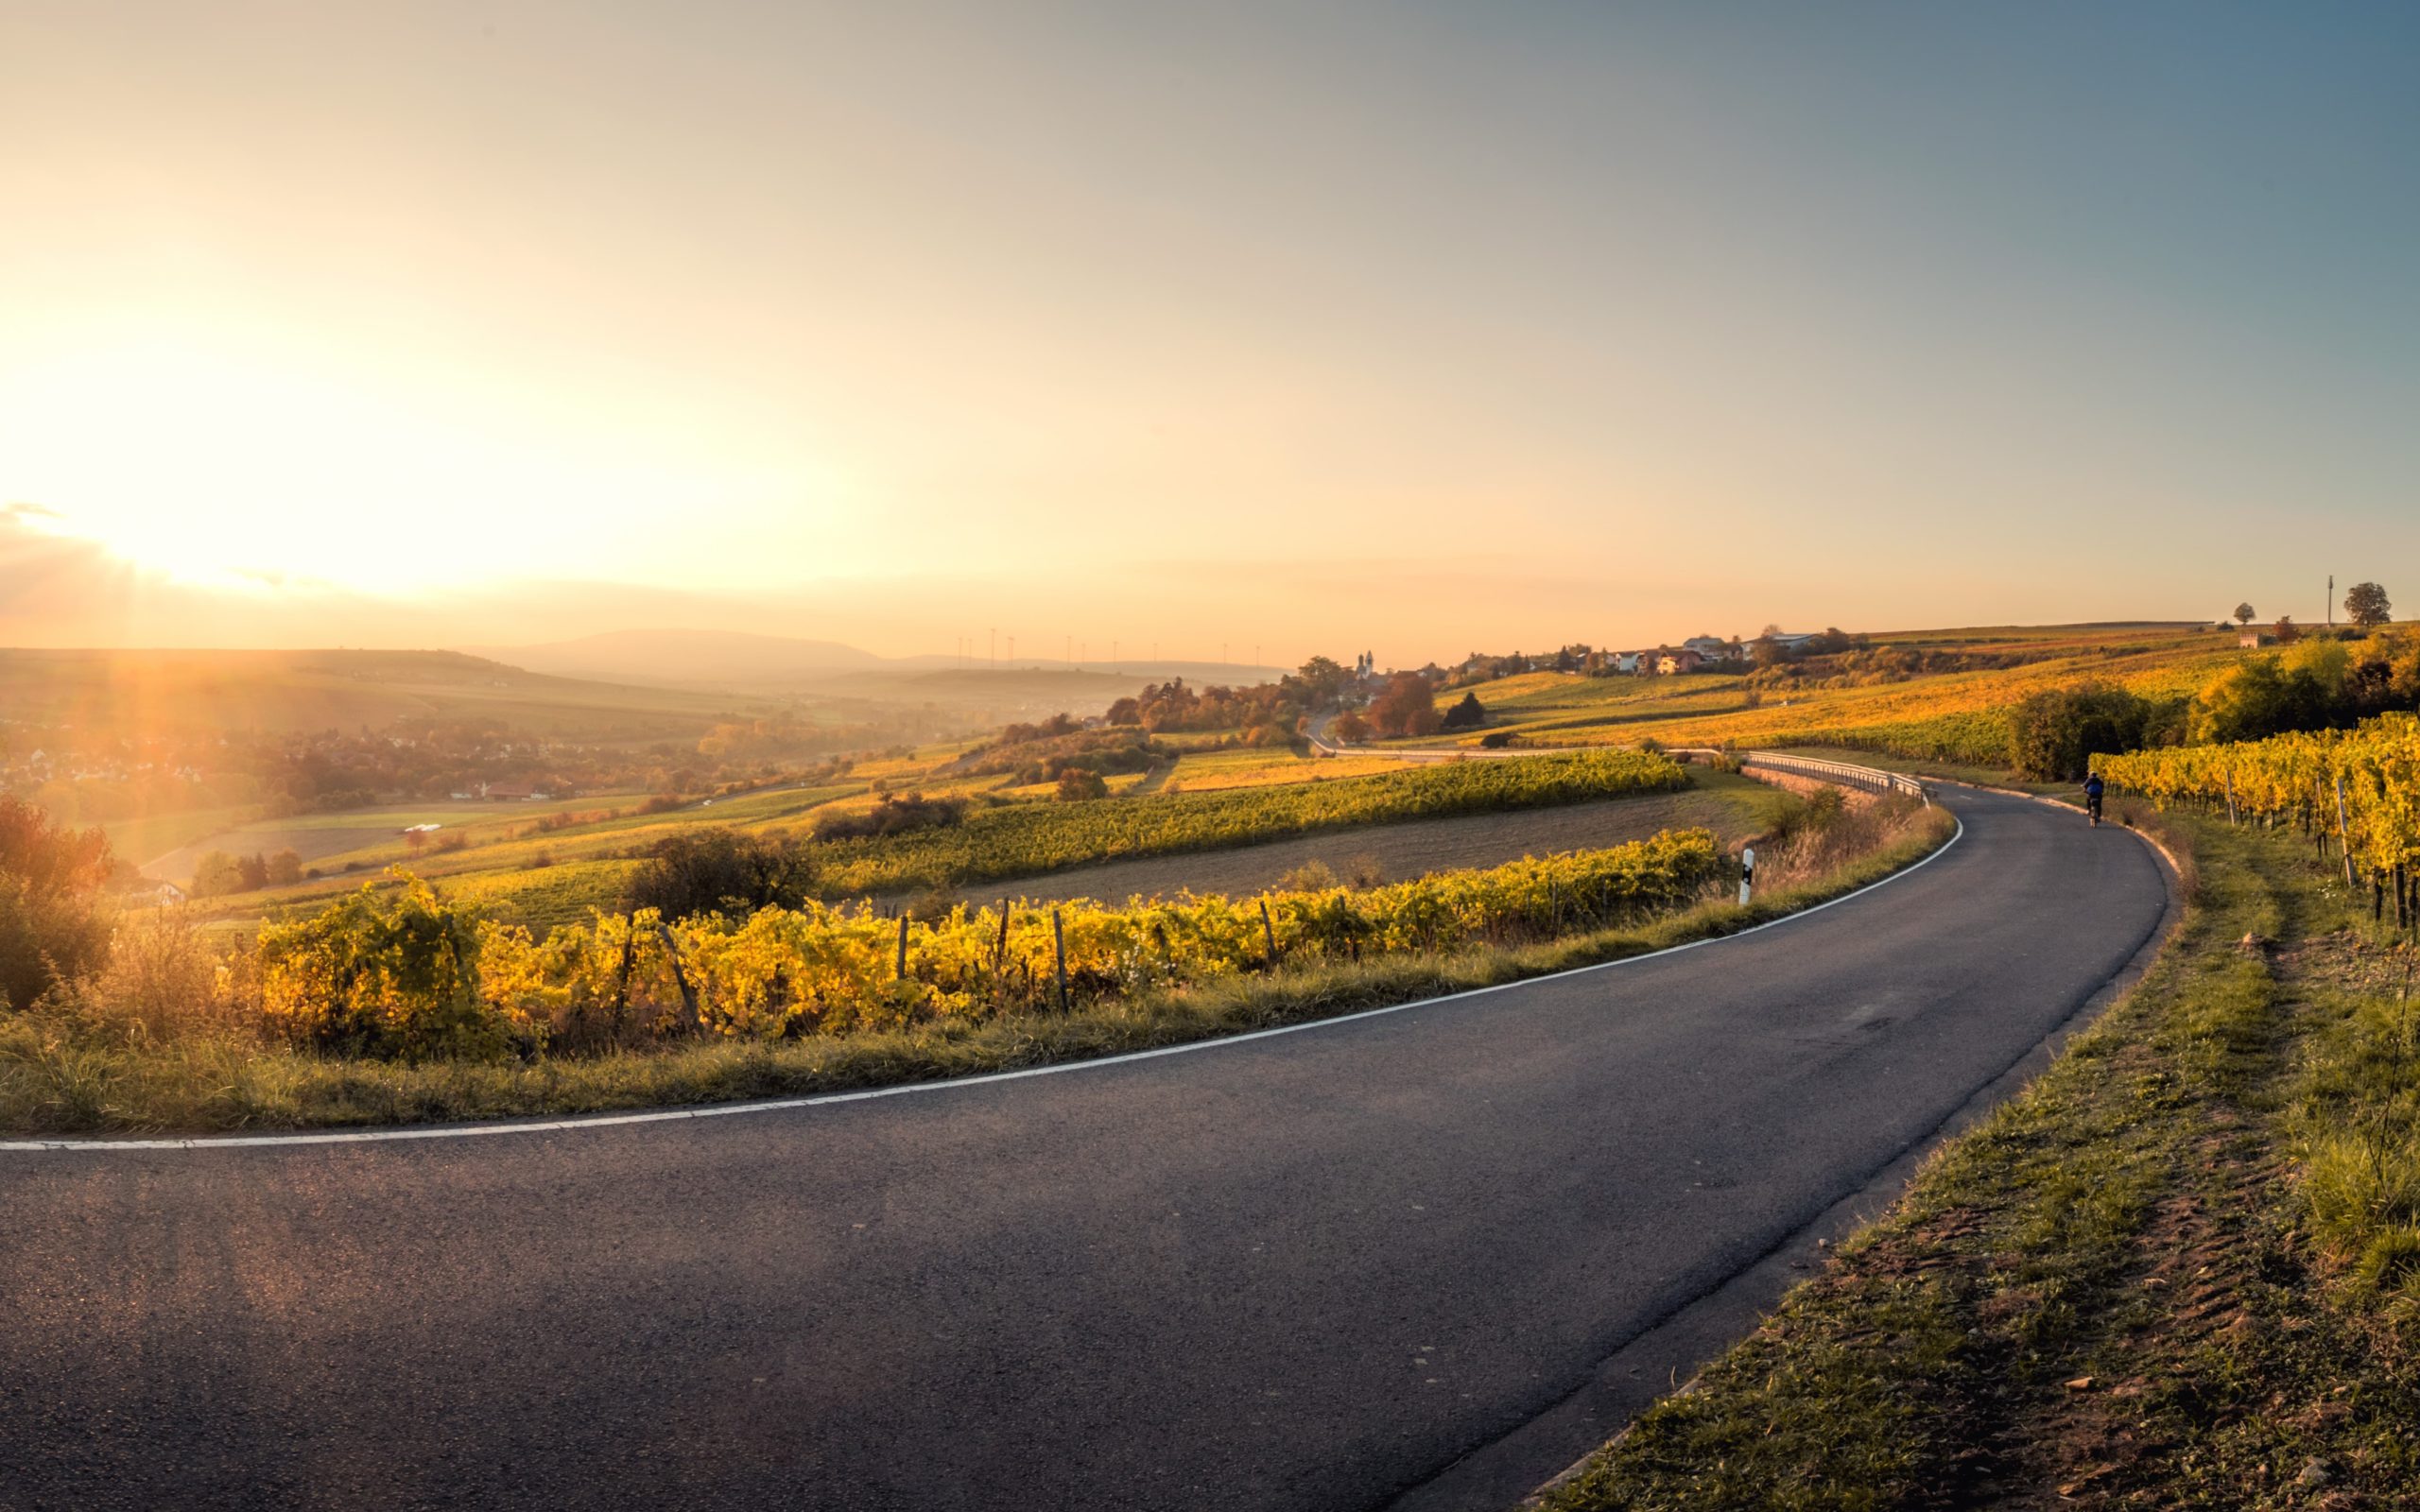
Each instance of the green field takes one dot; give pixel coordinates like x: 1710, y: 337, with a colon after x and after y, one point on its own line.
x: 1953, y: 714
x: 557, y: 876
x: 1029, y: 839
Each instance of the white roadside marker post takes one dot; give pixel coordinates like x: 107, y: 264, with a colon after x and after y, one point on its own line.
x: 1747, y: 872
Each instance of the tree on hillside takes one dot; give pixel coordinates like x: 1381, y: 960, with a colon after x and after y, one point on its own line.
x: 216, y: 873
x: 1077, y: 784
x: 1322, y: 679
x: 2367, y: 605
x: 1407, y: 707
x: 2244, y: 613
x: 2287, y: 631
x: 1468, y: 715
x: 1350, y: 728
x: 52, y: 929
x: 2054, y: 734
x: 718, y: 869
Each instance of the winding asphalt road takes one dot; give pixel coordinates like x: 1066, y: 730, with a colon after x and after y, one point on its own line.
x: 1306, y: 1270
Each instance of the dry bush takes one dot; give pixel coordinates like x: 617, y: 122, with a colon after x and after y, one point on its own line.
x: 1311, y: 876
x: 164, y: 980
x: 1827, y: 832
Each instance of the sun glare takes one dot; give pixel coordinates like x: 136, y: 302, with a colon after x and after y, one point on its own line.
x: 216, y: 465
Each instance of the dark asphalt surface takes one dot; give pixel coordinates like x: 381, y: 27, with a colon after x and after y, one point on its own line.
x: 1307, y: 1271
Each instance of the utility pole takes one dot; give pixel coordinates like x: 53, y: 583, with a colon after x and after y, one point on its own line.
x: 2332, y: 601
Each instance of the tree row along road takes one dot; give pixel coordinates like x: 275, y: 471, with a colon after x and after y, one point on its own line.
x: 1305, y: 1270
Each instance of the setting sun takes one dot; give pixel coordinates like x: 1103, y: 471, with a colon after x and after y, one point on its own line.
x: 230, y: 464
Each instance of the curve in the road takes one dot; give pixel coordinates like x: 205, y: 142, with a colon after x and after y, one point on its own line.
x: 1308, y: 1270
x: 776, y: 1104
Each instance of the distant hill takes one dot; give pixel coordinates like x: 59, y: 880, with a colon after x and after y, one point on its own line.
x: 271, y: 691
x: 690, y: 658
x: 777, y: 664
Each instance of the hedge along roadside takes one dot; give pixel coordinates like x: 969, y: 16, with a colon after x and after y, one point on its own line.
x: 2356, y: 792
x: 233, y: 1082
x: 364, y: 976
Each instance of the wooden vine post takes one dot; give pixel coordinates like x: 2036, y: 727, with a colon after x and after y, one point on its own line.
x: 2344, y: 829
x: 679, y: 976
x: 1268, y: 933
x: 903, y: 946
x: 622, y: 982
x: 1059, y: 949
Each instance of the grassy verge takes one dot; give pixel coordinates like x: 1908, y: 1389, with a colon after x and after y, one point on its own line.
x: 2180, y: 1270
x: 53, y: 1081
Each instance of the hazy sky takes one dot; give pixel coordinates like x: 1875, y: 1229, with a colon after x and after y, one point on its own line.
x: 1418, y: 327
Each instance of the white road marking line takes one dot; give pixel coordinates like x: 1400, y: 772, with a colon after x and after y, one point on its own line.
x: 666, y: 1115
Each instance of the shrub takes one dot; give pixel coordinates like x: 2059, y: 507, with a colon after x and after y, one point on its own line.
x: 1468, y: 715
x: 719, y: 870
x: 1076, y: 785
x: 389, y: 977
x: 2053, y: 734
x: 52, y: 927
x: 1311, y: 876
x: 892, y: 816
x: 160, y: 975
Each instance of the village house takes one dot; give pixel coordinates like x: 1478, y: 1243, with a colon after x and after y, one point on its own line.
x: 1672, y: 663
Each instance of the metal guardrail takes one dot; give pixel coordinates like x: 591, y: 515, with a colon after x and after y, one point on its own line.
x: 1847, y: 774
x: 1868, y: 779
